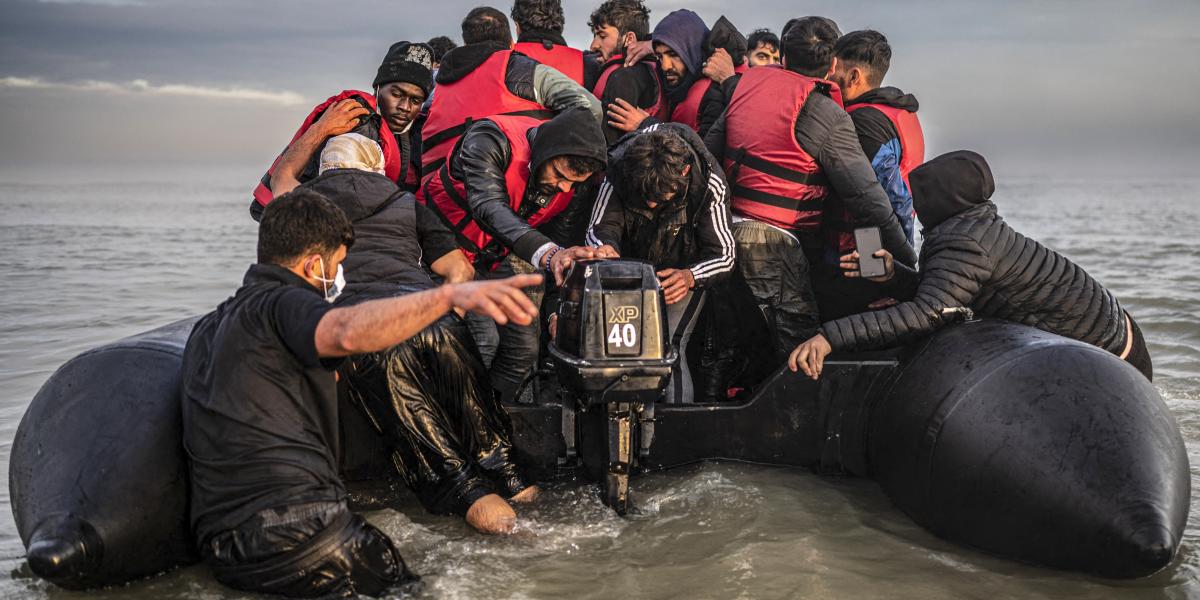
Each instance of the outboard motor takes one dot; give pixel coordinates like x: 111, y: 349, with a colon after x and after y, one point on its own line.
x: 614, y: 355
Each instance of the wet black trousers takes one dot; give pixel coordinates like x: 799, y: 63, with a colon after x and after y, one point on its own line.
x: 451, y: 440
x: 1139, y: 354
x: 312, y: 550
x: 775, y: 268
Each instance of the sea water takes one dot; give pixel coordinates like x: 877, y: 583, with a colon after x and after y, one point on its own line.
x: 86, y: 263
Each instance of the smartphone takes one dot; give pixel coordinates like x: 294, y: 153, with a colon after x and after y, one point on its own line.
x: 867, y: 240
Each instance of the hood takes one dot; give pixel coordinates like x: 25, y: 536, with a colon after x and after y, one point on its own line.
x: 950, y: 184
x: 574, y: 131
x: 685, y: 32
x: 546, y: 38
x: 460, y: 61
x: 358, y: 193
x: 888, y: 96
x: 725, y: 35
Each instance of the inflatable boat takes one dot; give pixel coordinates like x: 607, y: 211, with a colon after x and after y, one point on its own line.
x: 997, y: 436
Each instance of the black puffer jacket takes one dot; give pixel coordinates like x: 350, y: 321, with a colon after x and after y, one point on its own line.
x: 972, y: 258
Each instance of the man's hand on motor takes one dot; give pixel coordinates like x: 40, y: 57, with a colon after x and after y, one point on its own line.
x: 624, y: 116
x: 849, y: 264
x: 607, y: 252
x: 341, y: 117
x: 719, y: 66
x: 635, y: 53
x: 676, y: 283
x: 562, y: 260
x: 502, y: 300
x: 810, y: 356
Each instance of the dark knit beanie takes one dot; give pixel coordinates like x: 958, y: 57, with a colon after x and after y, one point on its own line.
x: 409, y: 63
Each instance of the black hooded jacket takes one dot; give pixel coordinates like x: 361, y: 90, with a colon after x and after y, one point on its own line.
x: 483, y: 157
x: 395, y: 237
x: 972, y: 258
x: 695, y: 234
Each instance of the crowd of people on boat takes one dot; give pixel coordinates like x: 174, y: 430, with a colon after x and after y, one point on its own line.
x: 412, y: 238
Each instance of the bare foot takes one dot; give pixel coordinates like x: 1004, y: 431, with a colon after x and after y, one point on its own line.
x: 527, y: 495
x: 491, y: 514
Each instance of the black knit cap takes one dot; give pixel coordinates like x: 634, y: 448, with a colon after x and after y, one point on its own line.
x: 407, y: 62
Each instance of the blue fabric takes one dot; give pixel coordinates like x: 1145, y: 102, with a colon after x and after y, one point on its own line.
x: 886, y: 164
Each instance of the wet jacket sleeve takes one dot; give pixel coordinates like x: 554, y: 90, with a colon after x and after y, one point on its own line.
x: 826, y: 132
x: 608, y: 220
x: 481, y: 163
x: 954, y: 271
x: 714, y: 235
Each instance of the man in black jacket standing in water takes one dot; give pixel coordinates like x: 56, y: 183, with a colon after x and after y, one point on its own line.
x: 971, y: 259
x: 260, y: 414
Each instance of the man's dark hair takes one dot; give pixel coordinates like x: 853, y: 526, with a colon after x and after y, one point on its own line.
x: 583, y: 164
x: 538, y: 15
x: 441, y: 45
x: 625, y: 15
x: 486, y: 24
x: 299, y: 223
x: 807, y: 45
x: 867, y: 50
x: 760, y: 37
x: 652, y: 166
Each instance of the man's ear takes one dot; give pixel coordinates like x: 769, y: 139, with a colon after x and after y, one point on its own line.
x: 687, y: 170
x: 833, y: 65
x: 629, y: 40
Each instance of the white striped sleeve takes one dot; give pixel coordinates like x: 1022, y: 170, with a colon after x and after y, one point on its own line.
x: 723, y: 263
x: 598, y: 213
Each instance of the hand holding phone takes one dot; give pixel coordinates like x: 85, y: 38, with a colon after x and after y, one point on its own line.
x: 868, y: 242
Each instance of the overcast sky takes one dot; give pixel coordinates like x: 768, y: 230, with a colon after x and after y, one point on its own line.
x: 1037, y: 86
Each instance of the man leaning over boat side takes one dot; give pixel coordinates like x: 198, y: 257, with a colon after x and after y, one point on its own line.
x: 260, y: 414
x: 973, y: 262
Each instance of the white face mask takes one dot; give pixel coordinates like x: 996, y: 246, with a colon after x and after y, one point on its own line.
x: 332, y: 287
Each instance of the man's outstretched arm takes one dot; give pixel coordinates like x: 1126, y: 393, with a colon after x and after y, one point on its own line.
x: 380, y: 324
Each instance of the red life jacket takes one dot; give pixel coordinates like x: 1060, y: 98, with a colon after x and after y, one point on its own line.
x: 616, y: 62
x: 448, y: 196
x: 567, y: 61
x: 479, y: 95
x: 908, y: 128
x: 392, y: 160
x: 688, y: 111
x: 773, y: 179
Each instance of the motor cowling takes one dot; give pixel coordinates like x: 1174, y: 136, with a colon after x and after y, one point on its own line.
x: 612, y: 342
